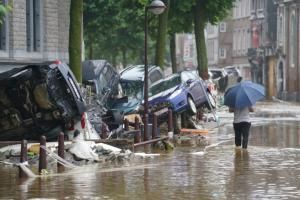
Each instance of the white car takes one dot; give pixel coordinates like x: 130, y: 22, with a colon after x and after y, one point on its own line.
x: 85, y: 127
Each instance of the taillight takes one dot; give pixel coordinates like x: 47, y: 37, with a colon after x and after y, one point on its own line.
x: 57, y: 62
x: 83, y: 118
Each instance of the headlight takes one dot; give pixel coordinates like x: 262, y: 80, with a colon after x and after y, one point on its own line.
x: 174, y: 94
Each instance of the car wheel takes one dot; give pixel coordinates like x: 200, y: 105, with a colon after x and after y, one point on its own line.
x: 211, y: 102
x: 191, y: 106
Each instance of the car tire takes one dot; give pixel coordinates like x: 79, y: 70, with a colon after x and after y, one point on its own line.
x: 192, y: 109
x: 211, y: 102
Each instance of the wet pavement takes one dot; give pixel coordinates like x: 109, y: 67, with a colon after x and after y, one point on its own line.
x: 270, y: 169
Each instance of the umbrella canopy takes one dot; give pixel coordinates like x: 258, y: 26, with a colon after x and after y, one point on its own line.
x: 244, y: 94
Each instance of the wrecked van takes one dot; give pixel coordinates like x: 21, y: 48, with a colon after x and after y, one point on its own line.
x: 39, y: 99
x: 103, y: 80
x: 132, y: 82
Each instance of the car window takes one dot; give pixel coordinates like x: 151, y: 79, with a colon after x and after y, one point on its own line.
x: 164, y: 85
x: 186, y: 75
x: 155, y: 76
x: 102, y: 81
x: 232, y: 71
x: 132, y: 89
x: 105, y: 77
x: 216, y: 74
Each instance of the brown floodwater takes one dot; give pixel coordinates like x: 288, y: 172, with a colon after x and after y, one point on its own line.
x: 270, y: 169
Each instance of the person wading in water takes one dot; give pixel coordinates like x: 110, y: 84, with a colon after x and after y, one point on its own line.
x: 241, y: 125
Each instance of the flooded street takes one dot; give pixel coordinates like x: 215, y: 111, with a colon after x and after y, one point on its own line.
x: 270, y: 169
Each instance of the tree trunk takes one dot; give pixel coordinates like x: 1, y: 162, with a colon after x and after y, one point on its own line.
x: 200, y: 22
x: 114, y: 60
x: 173, y: 52
x: 161, y: 36
x: 124, y: 57
x: 91, y: 51
x: 75, y: 40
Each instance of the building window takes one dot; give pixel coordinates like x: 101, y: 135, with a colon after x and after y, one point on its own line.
x: 293, y: 38
x: 210, y: 51
x: 222, y: 27
x: 253, y: 5
x: 222, y: 53
x: 280, y: 31
x: 234, y: 40
x: 3, y: 30
x: 239, y: 41
x: 33, y: 25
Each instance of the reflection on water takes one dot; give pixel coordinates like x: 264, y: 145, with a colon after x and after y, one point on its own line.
x: 269, y: 169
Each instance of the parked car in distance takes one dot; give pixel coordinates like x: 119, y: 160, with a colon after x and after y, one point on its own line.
x: 220, y: 77
x: 182, y: 91
x: 132, y: 82
x: 234, y: 75
x: 232, y: 70
x: 40, y: 99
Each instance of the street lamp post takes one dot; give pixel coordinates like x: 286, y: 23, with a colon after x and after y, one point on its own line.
x: 156, y: 7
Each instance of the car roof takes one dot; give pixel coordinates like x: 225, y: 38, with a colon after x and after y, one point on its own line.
x: 171, y: 76
x: 135, y: 72
x: 92, y: 68
x: 216, y: 69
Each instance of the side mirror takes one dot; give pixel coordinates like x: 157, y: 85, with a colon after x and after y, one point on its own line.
x: 188, y: 82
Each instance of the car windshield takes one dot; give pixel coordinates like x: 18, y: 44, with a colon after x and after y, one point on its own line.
x: 189, y: 75
x: 216, y: 74
x: 164, y: 85
x: 232, y: 71
x: 132, y: 89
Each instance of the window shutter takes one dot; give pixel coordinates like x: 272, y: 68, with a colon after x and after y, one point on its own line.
x: 28, y: 25
x: 36, y: 25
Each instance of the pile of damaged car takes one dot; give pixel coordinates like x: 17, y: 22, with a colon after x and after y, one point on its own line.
x: 100, y: 119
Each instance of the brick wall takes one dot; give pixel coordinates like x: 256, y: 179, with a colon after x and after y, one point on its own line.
x: 54, y: 33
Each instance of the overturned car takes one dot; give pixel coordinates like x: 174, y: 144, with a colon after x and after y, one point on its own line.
x: 41, y: 99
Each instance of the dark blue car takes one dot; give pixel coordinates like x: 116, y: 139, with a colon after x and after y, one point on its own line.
x: 182, y: 91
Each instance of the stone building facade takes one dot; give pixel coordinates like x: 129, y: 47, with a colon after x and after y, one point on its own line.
x: 228, y: 42
x: 34, y: 31
x: 288, y: 49
x: 241, y: 37
x: 219, y: 44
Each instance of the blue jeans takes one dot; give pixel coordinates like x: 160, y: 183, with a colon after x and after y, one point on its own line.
x: 241, y: 131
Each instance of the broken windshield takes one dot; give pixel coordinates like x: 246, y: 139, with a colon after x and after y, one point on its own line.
x: 132, y: 89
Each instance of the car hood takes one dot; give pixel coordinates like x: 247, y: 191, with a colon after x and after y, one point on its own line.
x: 129, y: 107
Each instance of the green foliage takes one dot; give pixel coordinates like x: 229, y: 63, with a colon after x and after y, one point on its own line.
x: 180, y: 16
x: 217, y: 10
x: 112, y: 27
x: 4, y: 9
